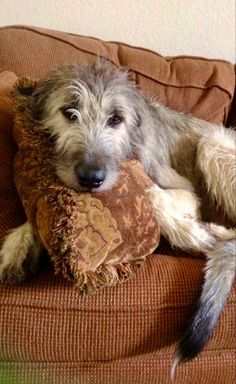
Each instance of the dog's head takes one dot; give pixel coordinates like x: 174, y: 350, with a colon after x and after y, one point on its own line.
x: 91, y: 113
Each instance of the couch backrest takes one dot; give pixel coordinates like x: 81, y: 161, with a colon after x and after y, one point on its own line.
x: 199, y: 86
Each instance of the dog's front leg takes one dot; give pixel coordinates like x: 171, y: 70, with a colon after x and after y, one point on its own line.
x: 19, y: 254
x: 166, y: 177
x: 178, y: 214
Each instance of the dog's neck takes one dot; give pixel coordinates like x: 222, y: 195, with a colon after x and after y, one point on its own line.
x: 161, y: 132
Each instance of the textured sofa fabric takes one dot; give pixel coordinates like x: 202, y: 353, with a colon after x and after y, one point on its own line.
x: 124, y: 334
x: 12, y: 213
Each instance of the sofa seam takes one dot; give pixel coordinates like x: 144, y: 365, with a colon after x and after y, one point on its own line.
x: 166, y: 58
x: 126, y: 359
x: 100, y: 311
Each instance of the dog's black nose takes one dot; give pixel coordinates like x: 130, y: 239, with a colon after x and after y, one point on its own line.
x: 90, y: 177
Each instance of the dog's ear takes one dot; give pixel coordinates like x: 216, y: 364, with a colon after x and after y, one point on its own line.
x: 39, y: 97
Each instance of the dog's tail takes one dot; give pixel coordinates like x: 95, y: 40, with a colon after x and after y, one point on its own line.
x: 219, y: 277
x: 180, y: 225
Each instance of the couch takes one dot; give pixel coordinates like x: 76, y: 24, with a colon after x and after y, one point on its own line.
x: 124, y: 334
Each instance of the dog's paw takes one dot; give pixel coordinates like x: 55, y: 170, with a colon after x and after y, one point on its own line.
x: 16, y: 270
x: 11, y: 262
x: 19, y: 255
x: 11, y: 274
x: 15, y: 273
x: 11, y: 269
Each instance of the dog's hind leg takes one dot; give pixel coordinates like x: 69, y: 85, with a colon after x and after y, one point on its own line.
x: 216, y: 159
x: 19, y: 254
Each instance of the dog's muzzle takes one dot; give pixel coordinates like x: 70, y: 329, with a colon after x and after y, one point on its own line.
x: 90, y: 177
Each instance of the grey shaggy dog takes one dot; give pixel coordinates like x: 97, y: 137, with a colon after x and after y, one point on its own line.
x: 98, y: 118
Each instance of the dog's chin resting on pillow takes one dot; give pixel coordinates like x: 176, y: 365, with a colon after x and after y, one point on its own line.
x: 93, y: 239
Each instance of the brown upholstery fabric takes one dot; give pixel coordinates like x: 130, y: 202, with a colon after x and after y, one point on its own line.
x: 11, y: 211
x: 124, y: 334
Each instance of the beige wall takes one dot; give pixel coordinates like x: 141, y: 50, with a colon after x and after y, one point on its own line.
x: 171, y: 27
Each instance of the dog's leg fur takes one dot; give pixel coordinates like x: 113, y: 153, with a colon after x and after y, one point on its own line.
x: 216, y: 154
x: 177, y: 212
x: 167, y: 177
x: 19, y: 254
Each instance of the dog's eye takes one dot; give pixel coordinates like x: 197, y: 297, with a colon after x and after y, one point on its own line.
x: 69, y: 114
x: 114, y: 120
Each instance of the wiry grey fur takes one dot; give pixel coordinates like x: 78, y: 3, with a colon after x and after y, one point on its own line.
x: 179, y: 153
